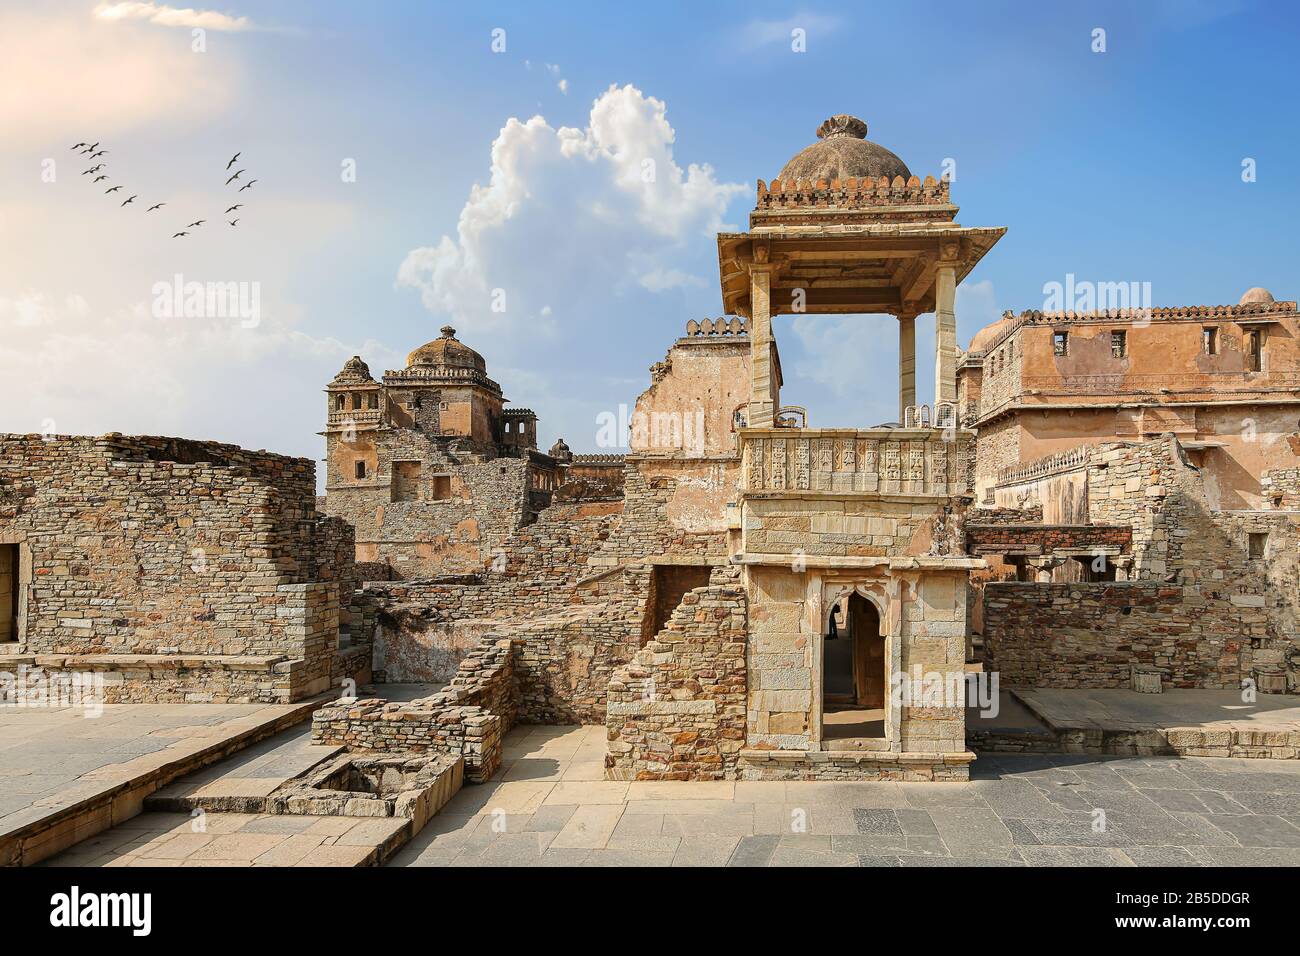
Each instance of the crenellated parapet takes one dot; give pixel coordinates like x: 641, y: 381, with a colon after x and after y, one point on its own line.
x: 853, y: 193
x: 728, y: 325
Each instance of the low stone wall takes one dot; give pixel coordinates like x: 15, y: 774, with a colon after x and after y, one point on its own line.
x: 1047, y: 539
x: 162, y: 678
x: 468, y: 717
x: 677, y: 711
x: 851, y: 765
x: 1093, y: 635
x: 300, y: 617
x: 422, y: 629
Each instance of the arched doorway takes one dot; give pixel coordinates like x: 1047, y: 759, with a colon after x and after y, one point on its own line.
x: 853, y: 672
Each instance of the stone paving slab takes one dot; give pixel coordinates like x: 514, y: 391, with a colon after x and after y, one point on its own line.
x: 235, y: 839
x: 67, y: 773
x: 1017, y: 810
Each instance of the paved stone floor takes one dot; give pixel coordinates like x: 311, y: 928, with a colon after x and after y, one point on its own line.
x: 231, y: 839
x: 50, y: 756
x: 550, y: 806
x: 1127, y: 710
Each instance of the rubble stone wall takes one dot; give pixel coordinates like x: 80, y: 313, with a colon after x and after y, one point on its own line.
x: 1201, y: 606
x: 677, y: 710
x: 156, y: 547
x: 422, y: 629
x: 468, y: 717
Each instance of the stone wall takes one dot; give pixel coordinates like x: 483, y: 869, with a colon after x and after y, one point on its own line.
x: 468, y: 718
x: 677, y: 710
x: 672, y: 506
x: 420, y: 535
x: 158, y: 548
x: 421, y: 629
x: 1047, y: 538
x: 1280, y: 488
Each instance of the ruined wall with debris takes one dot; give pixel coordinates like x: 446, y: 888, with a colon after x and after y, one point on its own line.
x: 420, y: 630
x: 677, y: 710
x: 1208, y: 604
x: 401, y: 520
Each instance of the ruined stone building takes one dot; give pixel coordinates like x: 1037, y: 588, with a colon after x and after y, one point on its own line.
x: 1088, y: 499
x: 176, y: 570
x: 1222, y: 378
x: 431, y: 468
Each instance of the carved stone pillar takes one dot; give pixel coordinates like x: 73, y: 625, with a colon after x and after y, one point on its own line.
x: 945, y: 333
x: 762, y: 392
x: 906, y: 364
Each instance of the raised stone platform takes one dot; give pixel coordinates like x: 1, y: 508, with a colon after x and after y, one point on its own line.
x: 69, y: 776
x: 854, y: 765
x: 184, y: 678
x: 1193, y: 723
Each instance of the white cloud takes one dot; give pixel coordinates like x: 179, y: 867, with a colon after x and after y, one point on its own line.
x: 603, y: 225
x: 573, y: 212
x: 660, y: 280
x: 165, y: 16
x: 83, y: 370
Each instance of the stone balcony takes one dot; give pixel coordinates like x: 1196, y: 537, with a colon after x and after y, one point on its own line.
x: 800, y: 462
x: 358, y: 417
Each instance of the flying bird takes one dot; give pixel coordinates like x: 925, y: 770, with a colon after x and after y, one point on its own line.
x: 232, y: 160
x: 112, y: 189
x: 93, y: 169
x: 197, y: 222
x: 233, y: 221
x: 98, y: 154
x: 159, y: 206
x: 129, y: 199
x: 177, y: 235
x: 236, y: 206
x: 98, y: 178
x: 248, y: 185
x: 78, y: 146
x: 238, y: 173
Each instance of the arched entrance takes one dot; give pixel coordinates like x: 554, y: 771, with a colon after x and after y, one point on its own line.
x: 853, y: 672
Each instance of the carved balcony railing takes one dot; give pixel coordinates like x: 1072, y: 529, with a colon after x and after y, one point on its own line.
x: 878, y: 461
x: 358, y: 417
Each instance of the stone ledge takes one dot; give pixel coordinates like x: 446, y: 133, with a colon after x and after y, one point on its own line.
x: 918, y: 563
x: 857, y: 756
x: 114, y: 662
x: 117, y: 792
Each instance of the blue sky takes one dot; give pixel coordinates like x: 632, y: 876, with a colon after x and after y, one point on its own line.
x: 1115, y: 166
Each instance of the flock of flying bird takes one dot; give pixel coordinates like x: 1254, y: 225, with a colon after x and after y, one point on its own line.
x: 93, y: 152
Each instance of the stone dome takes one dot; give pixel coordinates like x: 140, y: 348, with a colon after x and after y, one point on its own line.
x: 446, y: 350
x: 990, y: 334
x: 354, y: 371
x: 1257, y: 296
x: 843, y: 152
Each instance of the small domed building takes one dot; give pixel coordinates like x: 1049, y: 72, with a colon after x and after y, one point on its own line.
x: 429, y: 464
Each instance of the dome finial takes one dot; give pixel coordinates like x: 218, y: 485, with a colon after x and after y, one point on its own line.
x: 447, y: 332
x: 842, y: 124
